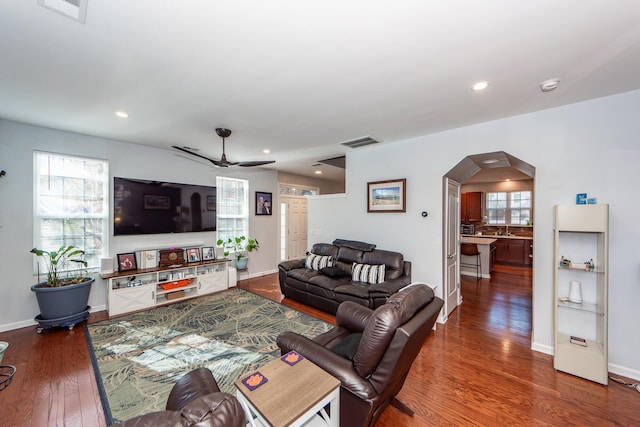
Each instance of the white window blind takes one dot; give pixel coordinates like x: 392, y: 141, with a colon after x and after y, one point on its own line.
x: 233, y: 207
x: 71, y: 204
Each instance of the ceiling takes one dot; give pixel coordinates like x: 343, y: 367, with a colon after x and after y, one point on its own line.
x: 299, y: 78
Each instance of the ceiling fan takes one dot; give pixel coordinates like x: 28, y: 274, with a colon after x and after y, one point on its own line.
x: 223, y: 162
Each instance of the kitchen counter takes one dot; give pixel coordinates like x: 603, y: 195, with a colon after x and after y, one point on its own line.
x: 485, y: 245
x: 491, y: 236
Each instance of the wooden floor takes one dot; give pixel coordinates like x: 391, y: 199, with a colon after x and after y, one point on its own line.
x: 477, y: 370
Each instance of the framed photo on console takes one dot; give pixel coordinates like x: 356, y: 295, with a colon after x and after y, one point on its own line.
x: 263, y: 203
x: 387, y: 196
x: 127, y: 262
x: 193, y: 254
x: 208, y: 253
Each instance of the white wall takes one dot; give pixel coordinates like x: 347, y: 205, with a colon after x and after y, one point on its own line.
x: 17, y: 143
x: 590, y: 147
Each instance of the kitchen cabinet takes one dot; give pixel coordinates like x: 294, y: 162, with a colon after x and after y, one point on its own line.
x: 512, y: 251
x: 581, y: 289
x: 471, y: 207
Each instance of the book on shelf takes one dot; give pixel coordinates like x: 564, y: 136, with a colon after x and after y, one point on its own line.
x: 578, y: 341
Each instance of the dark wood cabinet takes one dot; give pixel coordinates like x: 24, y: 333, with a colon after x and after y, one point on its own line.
x: 513, y: 251
x: 471, y: 207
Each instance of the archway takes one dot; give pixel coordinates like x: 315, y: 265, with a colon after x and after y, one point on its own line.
x: 496, y: 166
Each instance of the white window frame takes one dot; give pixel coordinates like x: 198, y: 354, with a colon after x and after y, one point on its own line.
x: 232, y: 192
x: 507, y: 208
x: 44, y: 211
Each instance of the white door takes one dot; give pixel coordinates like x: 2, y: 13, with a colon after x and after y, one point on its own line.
x: 451, y: 233
x: 295, y: 228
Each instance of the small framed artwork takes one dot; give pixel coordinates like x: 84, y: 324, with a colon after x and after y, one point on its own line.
x: 127, y: 262
x: 208, y: 253
x: 387, y: 196
x: 211, y: 203
x: 152, y: 202
x: 193, y: 254
x: 263, y: 203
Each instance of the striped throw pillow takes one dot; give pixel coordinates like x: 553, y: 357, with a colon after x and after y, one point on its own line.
x: 318, y: 262
x: 367, y: 273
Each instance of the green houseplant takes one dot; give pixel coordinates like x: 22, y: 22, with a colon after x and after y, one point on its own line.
x: 65, y: 293
x: 240, y: 247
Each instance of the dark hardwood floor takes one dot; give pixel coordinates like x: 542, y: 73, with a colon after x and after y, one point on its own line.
x: 477, y: 370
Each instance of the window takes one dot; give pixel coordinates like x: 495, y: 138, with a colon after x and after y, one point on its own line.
x: 71, y: 204
x: 233, y: 207
x: 509, y: 208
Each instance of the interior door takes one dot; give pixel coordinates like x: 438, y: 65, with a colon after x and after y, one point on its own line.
x: 296, y: 226
x: 452, y: 297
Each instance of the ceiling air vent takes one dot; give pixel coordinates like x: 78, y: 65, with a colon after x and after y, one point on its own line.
x: 360, y: 142
x: 74, y: 9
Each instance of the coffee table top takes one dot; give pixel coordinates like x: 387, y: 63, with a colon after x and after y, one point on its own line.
x: 290, y: 391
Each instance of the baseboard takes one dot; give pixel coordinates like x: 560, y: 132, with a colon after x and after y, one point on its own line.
x: 625, y: 372
x: 546, y: 349
x: 244, y: 276
x: 32, y: 322
x: 613, y: 369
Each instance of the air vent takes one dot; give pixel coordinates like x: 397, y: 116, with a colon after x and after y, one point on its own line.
x: 360, y: 142
x: 74, y: 9
x: 339, y: 162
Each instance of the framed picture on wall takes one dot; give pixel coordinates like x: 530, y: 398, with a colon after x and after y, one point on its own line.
x: 263, y: 203
x: 387, y: 196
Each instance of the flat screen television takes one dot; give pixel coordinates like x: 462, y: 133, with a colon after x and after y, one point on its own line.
x: 156, y: 207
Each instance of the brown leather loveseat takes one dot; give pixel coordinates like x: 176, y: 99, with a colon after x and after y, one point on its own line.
x: 308, y: 281
x: 371, y: 351
x: 195, y: 400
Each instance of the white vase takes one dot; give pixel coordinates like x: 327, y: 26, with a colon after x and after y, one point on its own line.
x: 575, y: 291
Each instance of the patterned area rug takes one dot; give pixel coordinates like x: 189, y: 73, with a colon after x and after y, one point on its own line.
x: 139, y: 357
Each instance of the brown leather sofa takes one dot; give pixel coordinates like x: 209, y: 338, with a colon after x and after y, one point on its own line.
x: 195, y: 400
x: 371, y: 352
x: 326, y: 289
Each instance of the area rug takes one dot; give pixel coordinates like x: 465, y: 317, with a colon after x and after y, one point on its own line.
x: 139, y: 357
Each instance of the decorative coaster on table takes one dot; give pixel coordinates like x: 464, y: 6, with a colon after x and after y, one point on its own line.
x: 255, y: 380
x: 291, y: 358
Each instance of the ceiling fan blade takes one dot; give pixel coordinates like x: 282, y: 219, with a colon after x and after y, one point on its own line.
x: 215, y: 162
x: 256, y: 163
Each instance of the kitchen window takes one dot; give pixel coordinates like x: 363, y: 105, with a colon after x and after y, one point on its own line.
x: 509, y: 208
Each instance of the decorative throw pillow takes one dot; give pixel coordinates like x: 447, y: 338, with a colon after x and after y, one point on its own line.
x: 334, y: 272
x: 367, y: 273
x: 318, y: 262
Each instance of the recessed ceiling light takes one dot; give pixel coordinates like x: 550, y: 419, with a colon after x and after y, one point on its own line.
x: 490, y: 161
x: 266, y: 151
x: 318, y: 172
x: 122, y: 114
x: 549, y: 85
x: 480, y: 86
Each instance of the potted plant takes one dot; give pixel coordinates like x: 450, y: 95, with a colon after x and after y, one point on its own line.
x: 240, y: 247
x: 65, y: 293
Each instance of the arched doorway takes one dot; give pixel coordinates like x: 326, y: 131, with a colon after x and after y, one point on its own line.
x: 497, y: 166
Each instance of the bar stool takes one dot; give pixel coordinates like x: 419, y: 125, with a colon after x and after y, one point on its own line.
x: 471, y: 249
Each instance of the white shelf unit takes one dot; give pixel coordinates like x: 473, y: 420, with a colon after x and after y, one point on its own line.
x: 137, y: 290
x: 581, y: 234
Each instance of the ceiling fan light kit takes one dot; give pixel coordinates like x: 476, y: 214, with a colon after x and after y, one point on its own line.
x: 223, y: 162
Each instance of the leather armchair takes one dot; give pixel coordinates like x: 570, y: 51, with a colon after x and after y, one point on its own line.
x: 373, y: 366
x: 195, y: 400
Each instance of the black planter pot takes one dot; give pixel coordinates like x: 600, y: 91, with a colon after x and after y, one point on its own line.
x: 63, y: 301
